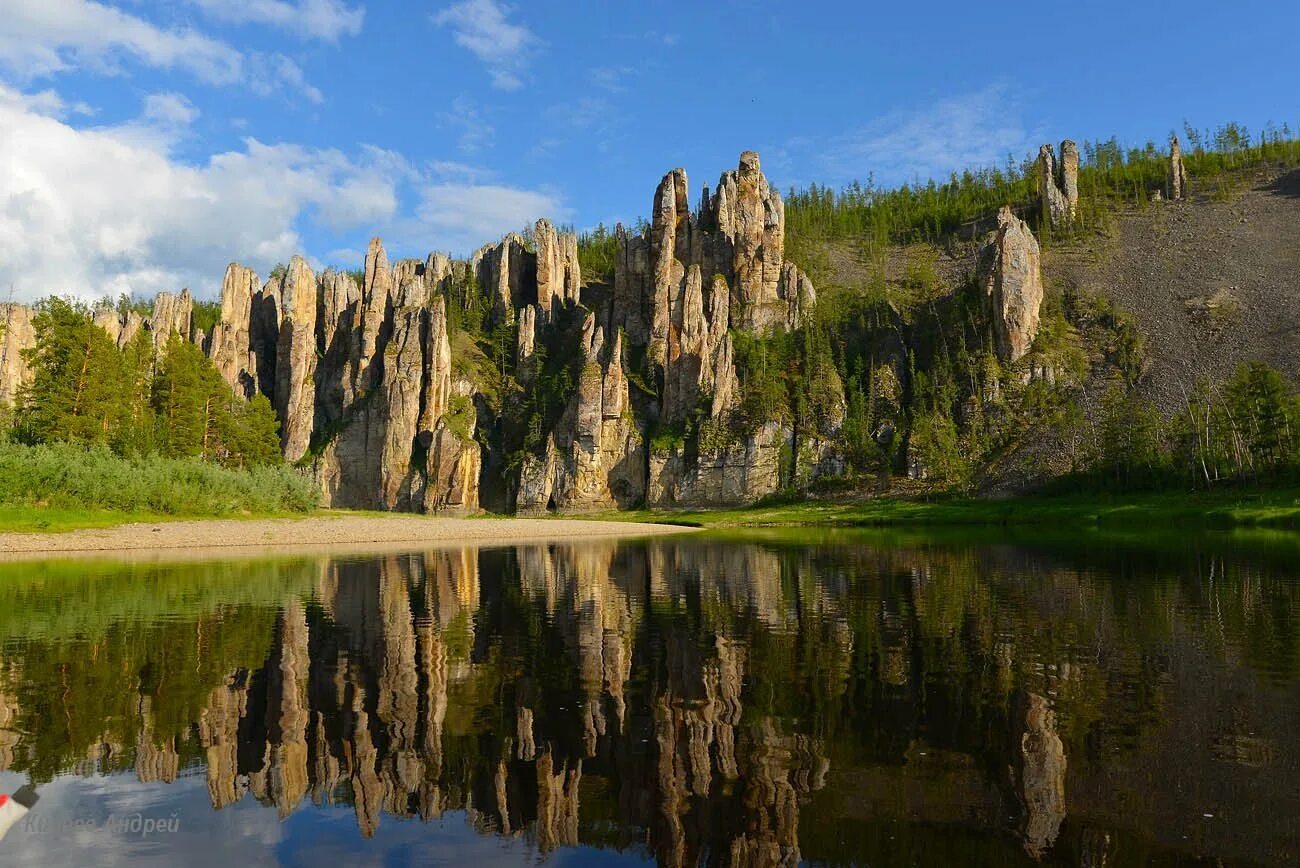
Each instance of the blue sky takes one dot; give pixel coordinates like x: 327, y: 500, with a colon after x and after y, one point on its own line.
x: 145, y: 144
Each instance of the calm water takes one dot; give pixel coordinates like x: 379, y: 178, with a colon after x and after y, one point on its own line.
x: 820, y: 699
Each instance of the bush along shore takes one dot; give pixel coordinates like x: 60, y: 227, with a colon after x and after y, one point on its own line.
x: 60, y: 486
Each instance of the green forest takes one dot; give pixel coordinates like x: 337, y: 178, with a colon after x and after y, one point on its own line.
x: 134, y: 429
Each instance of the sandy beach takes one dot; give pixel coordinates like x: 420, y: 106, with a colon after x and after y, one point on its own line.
x: 326, y: 534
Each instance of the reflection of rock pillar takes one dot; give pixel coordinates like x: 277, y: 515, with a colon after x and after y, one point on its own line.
x: 557, y: 804
x: 326, y: 765
x: 1040, y: 773
x: 219, y: 736
x: 398, y: 701
x: 672, y: 797
x: 502, y: 789
x: 433, y: 710
x: 287, y: 713
x: 9, y: 736
x: 153, y: 762
x: 367, y: 789
x: 731, y: 674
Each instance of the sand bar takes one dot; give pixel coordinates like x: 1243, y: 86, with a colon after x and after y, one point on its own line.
x: 327, y: 534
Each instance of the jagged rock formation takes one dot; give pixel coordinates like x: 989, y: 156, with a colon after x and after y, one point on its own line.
x: 1058, y: 185
x: 594, y: 459
x: 16, y: 335
x: 1177, y: 173
x: 232, y: 345
x: 1011, y: 276
x: 172, y: 314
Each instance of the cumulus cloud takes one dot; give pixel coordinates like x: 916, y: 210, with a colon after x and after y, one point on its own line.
x: 110, y: 209
x: 308, y: 19
x: 44, y: 37
x: 484, y: 29
x: 463, y: 216
x: 40, y: 37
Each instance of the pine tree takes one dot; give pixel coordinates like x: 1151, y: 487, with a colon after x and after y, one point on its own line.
x: 75, y: 392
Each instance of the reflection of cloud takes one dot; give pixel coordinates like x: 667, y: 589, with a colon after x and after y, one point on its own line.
x: 972, y: 130
x: 482, y: 27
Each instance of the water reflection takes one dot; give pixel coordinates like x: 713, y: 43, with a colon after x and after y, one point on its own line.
x: 692, y: 702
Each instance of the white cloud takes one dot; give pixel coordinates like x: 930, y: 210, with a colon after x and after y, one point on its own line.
x: 309, y: 19
x: 271, y: 73
x: 481, y: 27
x: 40, y: 37
x: 110, y: 209
x: 969, y: 131
x: 43, y: 37
x: 462, y: 216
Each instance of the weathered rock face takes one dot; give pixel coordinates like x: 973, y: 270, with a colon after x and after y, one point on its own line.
x: 737, y: 233
x: 1058, y: 185
x: 559, y: 276
x: 680, y: 287
x: 172, y: 314
x: 594, y: 458
x: 1177, y: 173
x: 295, y: 364
x: 503, y: 270
x: 1012, y: 279
x: 16, y: 335
x: 736, y: 472
x: 108, y: 319
x: 230, y: 347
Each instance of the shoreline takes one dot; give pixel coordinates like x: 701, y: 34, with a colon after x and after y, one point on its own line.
x: 327, y: 534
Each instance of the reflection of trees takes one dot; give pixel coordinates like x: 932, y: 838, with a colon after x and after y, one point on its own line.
x: 735, y: 703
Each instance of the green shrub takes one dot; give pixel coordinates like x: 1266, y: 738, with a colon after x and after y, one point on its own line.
x: 69, y: 476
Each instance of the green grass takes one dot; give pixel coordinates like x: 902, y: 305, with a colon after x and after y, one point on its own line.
x: 1278, y: 509
x: 1272, y: 509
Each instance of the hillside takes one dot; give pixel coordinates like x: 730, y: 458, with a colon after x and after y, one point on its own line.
x: 996, y: 333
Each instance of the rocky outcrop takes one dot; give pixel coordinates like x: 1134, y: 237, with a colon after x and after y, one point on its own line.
x: 502, y: 271
x: 1058, y: 185
x: 362, y: 371
x: 172, y: 314
x: 1011, y: 277
x: 231, y: 344
x: 559, y: 276
x: 295, y: 363
x: 1177, y: 181
x: 16, y: 336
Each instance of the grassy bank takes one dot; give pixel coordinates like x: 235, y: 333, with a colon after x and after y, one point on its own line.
x: 1274, y: 509
x: 62, y: 487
